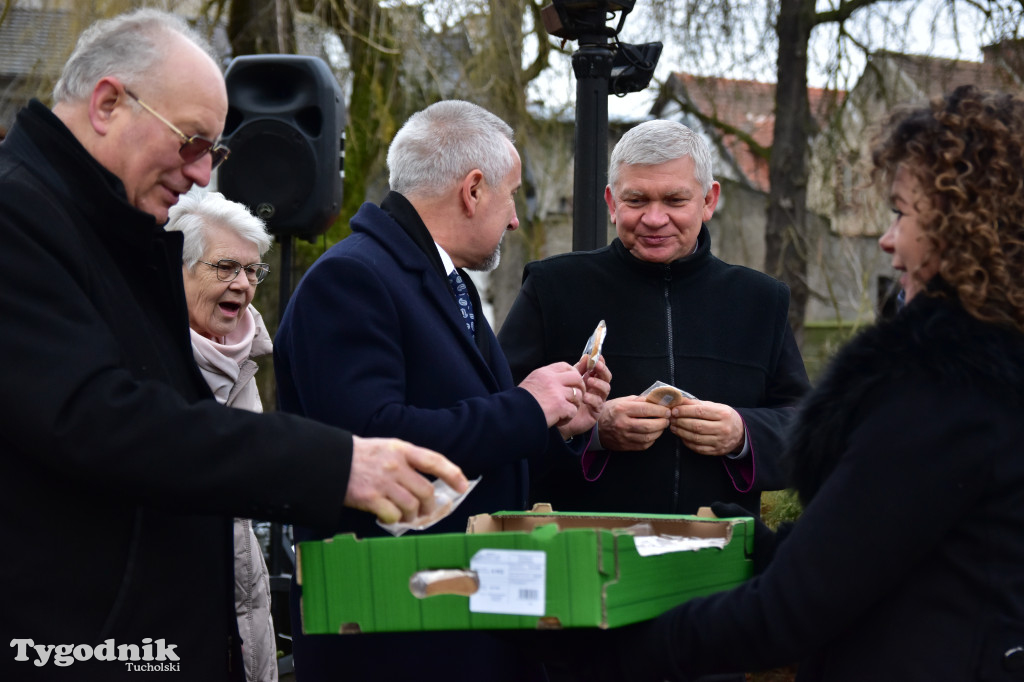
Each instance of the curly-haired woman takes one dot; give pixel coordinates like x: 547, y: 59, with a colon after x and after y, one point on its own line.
x: 908, y: 561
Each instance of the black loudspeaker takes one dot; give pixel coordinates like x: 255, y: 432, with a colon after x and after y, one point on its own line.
x: 285, y: 128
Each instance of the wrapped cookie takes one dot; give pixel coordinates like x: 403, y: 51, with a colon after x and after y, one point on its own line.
x: 661, y: 393
x: 594, y: 344
x: 445, y: 502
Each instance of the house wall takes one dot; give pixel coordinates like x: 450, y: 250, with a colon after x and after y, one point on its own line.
x: 842, y: 270
x: 737, y: 228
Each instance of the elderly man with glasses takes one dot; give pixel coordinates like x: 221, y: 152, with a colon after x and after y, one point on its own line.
x: 119, y: 472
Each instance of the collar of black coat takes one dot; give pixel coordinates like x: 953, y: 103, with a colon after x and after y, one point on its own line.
x: 932, y: 341
x: 677, y: 268
x: 404, y: 213
x: 62, y: 162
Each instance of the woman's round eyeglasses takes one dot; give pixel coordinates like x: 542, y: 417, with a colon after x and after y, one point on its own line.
x: 228, y: 269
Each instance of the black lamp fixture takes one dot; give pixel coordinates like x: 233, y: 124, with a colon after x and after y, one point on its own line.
x: 573, y: 19
x: 633, y: 67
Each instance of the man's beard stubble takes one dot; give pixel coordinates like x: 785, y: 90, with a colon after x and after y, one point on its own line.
x: 490, y: 263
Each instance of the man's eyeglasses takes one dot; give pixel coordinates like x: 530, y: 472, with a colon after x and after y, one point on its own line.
x: 228, y: 269
x: 193, y: 147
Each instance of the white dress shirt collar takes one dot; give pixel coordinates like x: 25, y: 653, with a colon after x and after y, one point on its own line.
x: 446, y: 260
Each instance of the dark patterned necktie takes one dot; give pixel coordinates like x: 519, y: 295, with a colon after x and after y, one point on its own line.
x: 462, y: 296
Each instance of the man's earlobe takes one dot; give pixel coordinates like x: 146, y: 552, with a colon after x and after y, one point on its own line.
x: 609, y: 199
x: 471, y: 191
x: 102, y: 104
x: 711, y: 201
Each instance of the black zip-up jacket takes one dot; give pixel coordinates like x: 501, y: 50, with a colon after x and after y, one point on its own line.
x: 716, y: 330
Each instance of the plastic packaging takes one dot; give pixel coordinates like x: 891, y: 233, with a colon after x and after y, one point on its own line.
x: 594, y: 345
x: 661, y: 393
x: 445, y: 502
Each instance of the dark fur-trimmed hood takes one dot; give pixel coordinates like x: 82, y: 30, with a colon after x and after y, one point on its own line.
x: 933, y: 341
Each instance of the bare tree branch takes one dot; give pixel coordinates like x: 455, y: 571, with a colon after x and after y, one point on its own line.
x: 846, y: 10
x: 724, y: 127
x: 541, y: 62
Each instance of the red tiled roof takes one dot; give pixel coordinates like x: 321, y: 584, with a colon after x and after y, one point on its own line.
x: 748, y: 106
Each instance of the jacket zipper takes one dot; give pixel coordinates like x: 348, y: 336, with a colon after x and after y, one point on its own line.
x: 672, y: 380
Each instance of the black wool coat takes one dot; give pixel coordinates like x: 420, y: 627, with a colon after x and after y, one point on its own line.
x: 119, y: 473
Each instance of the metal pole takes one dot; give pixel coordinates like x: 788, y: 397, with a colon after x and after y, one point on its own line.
x: 592, y: 64
x: 284, y: 282
x: 279, y: 561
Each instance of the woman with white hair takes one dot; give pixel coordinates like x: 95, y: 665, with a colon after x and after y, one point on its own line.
x: 220, y: 261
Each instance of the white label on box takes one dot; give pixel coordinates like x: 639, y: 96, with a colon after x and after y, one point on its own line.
x: 511, y: 582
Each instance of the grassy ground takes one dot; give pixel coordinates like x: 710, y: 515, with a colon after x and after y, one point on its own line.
x: 778, y: 506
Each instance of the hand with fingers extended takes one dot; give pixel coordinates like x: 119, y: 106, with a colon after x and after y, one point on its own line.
x: 631, y: 423
x: 559, y: 390
x: 385, y: 478
x: 597, y: 386
x: 708, y: 428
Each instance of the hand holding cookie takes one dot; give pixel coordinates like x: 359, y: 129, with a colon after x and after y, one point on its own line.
x: 597, y: 386
x: 708, y: 428
x: 631, y: 423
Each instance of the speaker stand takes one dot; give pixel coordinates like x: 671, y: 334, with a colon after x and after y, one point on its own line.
x: 281, y: 557
x: 285, y: 281
x: 281, y: 560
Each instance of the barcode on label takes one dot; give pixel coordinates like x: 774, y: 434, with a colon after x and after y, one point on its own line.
x: 512, y: 581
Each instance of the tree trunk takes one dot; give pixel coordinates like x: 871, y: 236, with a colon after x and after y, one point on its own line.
x: 371, y: 118
x: 252, y: 27
x: 786, y: 229
x: 498, y: 75
x: 285, y: 16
